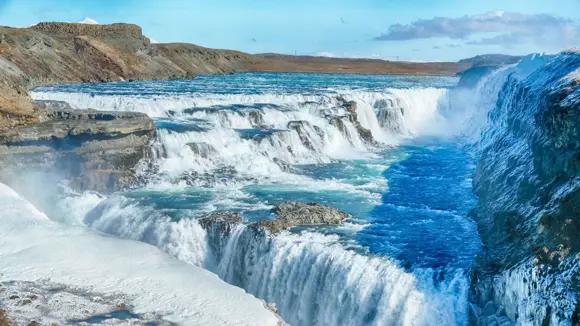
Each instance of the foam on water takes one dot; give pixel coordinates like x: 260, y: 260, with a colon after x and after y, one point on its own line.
x: 418, y: 106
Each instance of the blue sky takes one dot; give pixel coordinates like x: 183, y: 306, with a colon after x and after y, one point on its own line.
x: 423, y: 30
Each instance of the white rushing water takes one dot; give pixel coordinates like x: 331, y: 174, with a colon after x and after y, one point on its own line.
x: 315, y: 281
x: 228, y: 141
x: 310, y: 276
x: 76, y: 259
x: 204, y: 133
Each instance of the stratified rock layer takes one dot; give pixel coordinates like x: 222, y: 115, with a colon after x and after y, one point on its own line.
x: 93, y: 150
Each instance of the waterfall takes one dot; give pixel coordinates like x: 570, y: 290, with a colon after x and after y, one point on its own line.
x: 217, y: 143
x: 315, y: 281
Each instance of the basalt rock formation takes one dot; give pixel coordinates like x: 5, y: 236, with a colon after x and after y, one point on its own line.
x: 95, y: 150
x: 291, y: 214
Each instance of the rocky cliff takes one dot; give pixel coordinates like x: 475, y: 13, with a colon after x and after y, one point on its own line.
x: 527, y: 181
x: 93, y: 150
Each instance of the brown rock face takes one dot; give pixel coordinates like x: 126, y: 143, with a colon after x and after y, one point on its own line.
x: 50, y: 53
x: 94, y: 150
x: 288, y: 215
x: 291, y: 214
x: 3, y: 319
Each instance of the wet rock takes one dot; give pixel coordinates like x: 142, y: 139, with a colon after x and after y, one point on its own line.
x: 204, y: 150
x: 301, y: 129
x: 339, y: 124
x: 504, y: 321
x: 256, y: 118
x: 351, y: 108
x: 390, y: 115
x: 221, y: 223
x: 287, y: 216
x: 529, y: 200
x: 285, y: 166
x: 291, y: 214
x: 489, y: 309
x: 3, y: 318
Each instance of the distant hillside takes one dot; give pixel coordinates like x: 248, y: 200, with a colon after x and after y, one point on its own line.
x: 289, y: 63
x: 50, y: 53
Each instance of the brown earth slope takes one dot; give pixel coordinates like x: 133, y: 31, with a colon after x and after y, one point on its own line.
x: 289, y: 63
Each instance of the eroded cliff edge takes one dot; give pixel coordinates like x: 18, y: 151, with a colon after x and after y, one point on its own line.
x: 527, y: 181
x: 95, y: 150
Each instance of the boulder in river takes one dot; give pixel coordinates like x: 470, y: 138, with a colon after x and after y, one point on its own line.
x: 288, y: 215
x: 291, y: 214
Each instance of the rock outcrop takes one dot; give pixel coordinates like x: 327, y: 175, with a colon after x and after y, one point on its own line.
x: 219, y: 227
x: 351, y: 108
x: 287, y: 215
x: 529, y: 199
x: 291, y: 214
x: 95, y: 150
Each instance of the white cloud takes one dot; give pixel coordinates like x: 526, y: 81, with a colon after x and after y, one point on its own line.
x: 152, y: 40
x: 492, y: 28
x: 89, y: 21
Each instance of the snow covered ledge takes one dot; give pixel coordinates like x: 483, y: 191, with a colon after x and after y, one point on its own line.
x: 89, y: 266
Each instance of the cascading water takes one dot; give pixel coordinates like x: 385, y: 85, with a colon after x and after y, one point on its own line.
x: 247, y: 142
x: 315, y: 281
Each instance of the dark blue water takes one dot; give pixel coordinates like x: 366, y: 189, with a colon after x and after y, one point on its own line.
x: 422, y: 219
